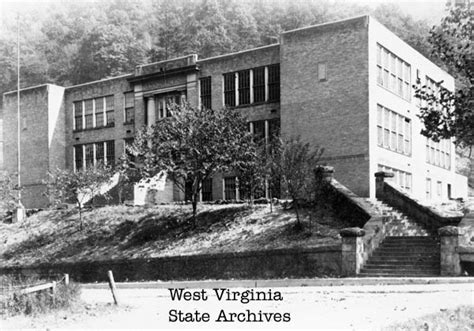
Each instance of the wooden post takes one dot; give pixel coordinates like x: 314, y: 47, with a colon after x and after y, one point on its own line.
x: 66, y: 279
x: 53, y: 292
x: 112, y: 286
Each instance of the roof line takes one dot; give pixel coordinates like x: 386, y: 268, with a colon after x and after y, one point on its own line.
x: 327, y: 23
x: 28, y: 88
x: 99, y: 81
x: 239, y: 52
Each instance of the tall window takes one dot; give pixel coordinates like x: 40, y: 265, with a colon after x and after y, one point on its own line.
x: 229, y: 89
x: 207, y: 190
x: 129, y: 107
x: 439, y: 153
x: 99, y: 153
x: 205, y: 89
x: 78, y: 157
x: 393, y: 131
x: 274, y: 82
x: 393, y: 73
x: 94, y: 113
x: 109, y: 110
x: 88, y: 111
x: 259, y: 84
x: 244, y: 87
x: 163, y: 101
x: 78, y: 115
x: 110, y: 150
x: 89, y: 151
x: 99, y: 112
x: 94, y: 153
x: 230, y: 188
x: 402, y: 178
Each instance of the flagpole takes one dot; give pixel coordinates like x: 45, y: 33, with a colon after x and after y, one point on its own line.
x: 18, y: 109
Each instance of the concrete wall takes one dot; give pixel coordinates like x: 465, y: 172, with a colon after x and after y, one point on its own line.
x: 282, y: 263
x: 416, y: 162
x: 332, y: 113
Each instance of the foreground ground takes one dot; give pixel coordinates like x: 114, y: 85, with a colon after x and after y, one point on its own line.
x: 393, y: 307
x: 134, y: 232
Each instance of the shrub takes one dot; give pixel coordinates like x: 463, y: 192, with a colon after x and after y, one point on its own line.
x: 13, y: 302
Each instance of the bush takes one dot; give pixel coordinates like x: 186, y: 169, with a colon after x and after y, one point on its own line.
x: 13, y: 302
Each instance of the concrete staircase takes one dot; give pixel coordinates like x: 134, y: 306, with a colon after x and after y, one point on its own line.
x: 404, y: 256
x: 408, y: 250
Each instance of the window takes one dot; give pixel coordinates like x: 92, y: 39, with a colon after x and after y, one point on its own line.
x: 402, y: 178
x: 322, y: 71
x: 95, y: 153
x: 259, y: 84
x: 439, y: 189
x: 99, y: 153
x: 88, y: 111
x: 129, y: 107
x: 273, y: 129
x: 229, y: 89
x: 93, y: 113
x: 230, y: 188
x: 393, y: 131
x: 89, y: 157
x: 127, y: 143
x: 428, y: 188
x: 438, y: 153
x: 78, y: 157
x: 110, y: 152
x: 99, y: 112
x: 259, y: 130
x: 244, y: 87
x: 78, y: 115
x: 109, y: 110
x: 207, y: 190
x: 205, y: 89
x: 274, y: 82
x: 393, y: 73
x: 164, y: 101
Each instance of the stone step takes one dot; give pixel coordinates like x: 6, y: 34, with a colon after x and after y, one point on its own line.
x: 397, y: 263
x: 393, y: 274
x: 402, y: 267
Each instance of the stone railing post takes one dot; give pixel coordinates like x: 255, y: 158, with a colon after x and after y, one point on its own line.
x: 379, y: 181
x: 352, y: 251
x: 327, y: 173
x: 449, y: 255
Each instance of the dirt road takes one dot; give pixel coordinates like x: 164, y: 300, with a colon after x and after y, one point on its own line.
x: 340, y: 307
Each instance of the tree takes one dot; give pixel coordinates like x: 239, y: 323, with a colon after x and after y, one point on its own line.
x: 8, y: 192
x: 296, y: 168
x: 192, y: 145
x: 77, y: 186
x: 448, y: 114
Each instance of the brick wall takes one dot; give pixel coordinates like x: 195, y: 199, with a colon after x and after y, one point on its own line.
x: 42, y: 138
x: 332, y: 114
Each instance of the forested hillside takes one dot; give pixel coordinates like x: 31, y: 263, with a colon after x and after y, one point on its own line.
x: 73, y: 42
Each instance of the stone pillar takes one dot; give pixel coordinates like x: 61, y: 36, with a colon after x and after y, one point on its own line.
x: 327, y: 172
x: 150, y: 111
x: 450, y: 237
x: 379, y: 182
x: 352, y: 251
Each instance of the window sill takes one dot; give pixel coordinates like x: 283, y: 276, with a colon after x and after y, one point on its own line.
x: 129, y: 123
x: 254, y: 104
x: 93, y: 129
x: 391, y: 150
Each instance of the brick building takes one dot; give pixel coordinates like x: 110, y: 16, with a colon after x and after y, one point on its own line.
x: 345, y: 86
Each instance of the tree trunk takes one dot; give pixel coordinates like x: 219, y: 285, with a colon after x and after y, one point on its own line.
x: 80, y: 217
x: 298, y: 222
x: 195, y: 196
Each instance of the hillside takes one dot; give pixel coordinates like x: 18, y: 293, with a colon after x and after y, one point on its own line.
x: 116, y: 232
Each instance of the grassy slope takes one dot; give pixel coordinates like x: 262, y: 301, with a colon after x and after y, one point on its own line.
x: 115, y: 232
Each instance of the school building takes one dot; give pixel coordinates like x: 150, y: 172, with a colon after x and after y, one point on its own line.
x: 345, y: 86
